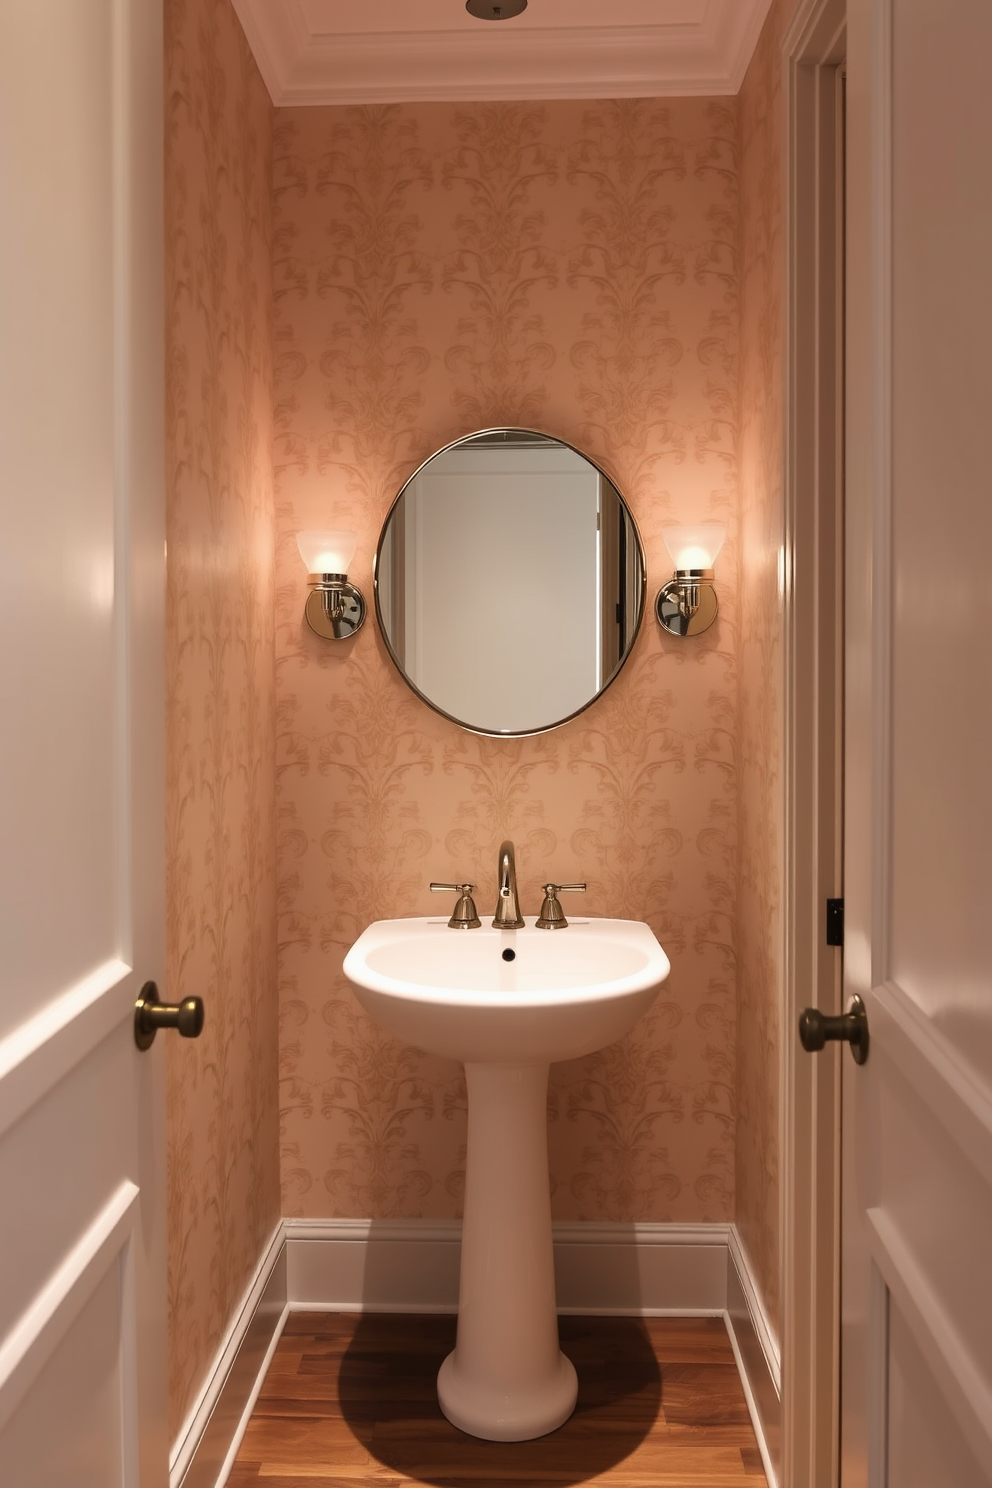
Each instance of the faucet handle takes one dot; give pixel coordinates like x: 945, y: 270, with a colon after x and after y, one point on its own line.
x: 465, y: 916
x: 551, y: 916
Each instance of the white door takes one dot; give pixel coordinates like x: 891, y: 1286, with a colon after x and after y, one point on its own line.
x: 916, y: 1293
x: 82, y: 1226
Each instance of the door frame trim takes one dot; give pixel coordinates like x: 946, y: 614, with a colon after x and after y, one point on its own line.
x: 813, y: 48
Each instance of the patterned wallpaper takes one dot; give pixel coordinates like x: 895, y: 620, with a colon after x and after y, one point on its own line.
x: 575, y: 267
x: 761, y: 714
x: 223, y: 1180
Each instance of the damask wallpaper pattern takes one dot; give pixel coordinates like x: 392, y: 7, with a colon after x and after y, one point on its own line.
x: 761, y: 715
x: 223, y: 1178
x: 437, y: 268
x: 609, y: 271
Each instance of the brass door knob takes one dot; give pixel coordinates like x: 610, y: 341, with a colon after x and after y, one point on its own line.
x: 150, y: 1015
x: 817, y: 1029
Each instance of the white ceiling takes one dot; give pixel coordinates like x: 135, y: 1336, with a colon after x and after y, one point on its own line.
x: 388, y: 51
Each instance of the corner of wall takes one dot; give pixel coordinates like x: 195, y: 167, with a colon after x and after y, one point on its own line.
x: 223, y: 1180
x: 761, y: 786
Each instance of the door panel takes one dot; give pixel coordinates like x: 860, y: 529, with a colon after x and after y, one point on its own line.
x: 941, y: 700
x: 40, y: 1159
x: 929, y: 1451
x: 917, y: 1315
x: 57, y: 272
x: 61, y: 1434
x: 82, y: 1231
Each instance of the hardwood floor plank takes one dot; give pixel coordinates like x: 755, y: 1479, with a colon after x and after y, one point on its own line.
x: 753, y: 1465
x: 671, y: 1476
x: 323, y: 1329
x: 296, y: 1442
x: 553, y: 1461
x: 350, y: 1402
x: 318, y: 1477
x: 703, y: 1395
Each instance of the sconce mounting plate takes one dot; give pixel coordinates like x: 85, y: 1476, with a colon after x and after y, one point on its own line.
x: 671, y: 615
x: 339, y: 622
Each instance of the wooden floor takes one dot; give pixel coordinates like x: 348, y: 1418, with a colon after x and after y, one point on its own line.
x: 350, y: 1400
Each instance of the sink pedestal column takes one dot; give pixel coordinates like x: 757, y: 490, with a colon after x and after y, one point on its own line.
x: 507, y: 1379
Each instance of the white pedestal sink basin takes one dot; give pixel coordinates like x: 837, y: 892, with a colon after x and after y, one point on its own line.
x: 507, y: 1003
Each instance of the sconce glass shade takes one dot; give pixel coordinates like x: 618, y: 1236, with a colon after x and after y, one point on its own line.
x: 327, y: 552
x: 335, y: 609
x: 687, y: 604
x: 694, y: 547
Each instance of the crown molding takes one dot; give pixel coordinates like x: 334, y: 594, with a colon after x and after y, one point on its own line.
x: 706, y: 54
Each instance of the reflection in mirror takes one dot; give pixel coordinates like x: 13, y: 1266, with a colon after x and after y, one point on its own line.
x: 509, y: 582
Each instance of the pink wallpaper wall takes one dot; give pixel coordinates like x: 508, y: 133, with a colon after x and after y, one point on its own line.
x: 223, y: 1167
x: 575, y: 267
x: 761, y: 713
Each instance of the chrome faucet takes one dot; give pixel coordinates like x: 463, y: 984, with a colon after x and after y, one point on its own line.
x: 507, y: 916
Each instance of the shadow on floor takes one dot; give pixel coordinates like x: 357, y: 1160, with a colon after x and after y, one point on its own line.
x: 388, y: 1397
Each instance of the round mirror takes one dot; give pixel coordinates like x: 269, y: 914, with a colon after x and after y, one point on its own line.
x: 509, y: 582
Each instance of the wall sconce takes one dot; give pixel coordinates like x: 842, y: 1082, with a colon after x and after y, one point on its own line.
x: 335, y: 609
x: 687, y: 604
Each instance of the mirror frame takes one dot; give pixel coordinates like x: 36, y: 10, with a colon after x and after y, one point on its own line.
x: 641, y: 596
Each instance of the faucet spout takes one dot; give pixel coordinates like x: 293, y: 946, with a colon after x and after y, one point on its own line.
x: 507, y: 916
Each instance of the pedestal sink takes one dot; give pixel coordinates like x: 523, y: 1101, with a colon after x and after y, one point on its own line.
x: 507, y: 1003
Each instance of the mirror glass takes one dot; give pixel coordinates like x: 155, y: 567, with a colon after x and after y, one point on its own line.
x: 509, y: 582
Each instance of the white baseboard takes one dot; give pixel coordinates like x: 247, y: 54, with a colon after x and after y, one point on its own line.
x: 405, y: 1266
x: 756, y: 1310
x: 335, y: 1265
x: 216, y: 1421
x: 758, y: 1358
x: 372, y: 1265
x: 641, y: 1270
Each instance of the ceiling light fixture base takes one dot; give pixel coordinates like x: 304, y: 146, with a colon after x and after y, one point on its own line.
x: 495, y: 10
